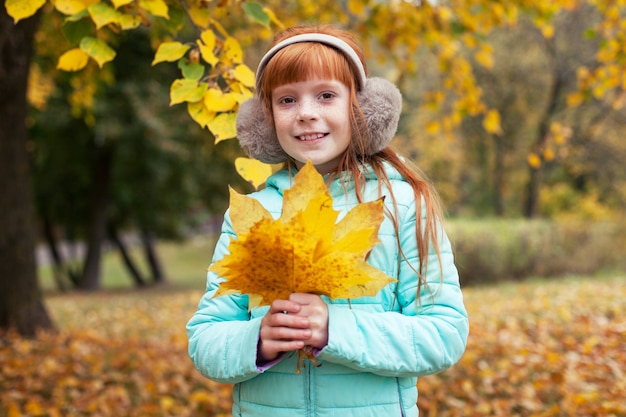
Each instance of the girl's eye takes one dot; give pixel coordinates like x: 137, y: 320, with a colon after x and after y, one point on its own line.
x: 327, y: 96
x: 287, y: 100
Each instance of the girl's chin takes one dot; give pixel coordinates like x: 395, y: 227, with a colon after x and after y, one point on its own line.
x: 322, y: 166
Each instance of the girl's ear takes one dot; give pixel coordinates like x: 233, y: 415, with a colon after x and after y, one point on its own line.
x: 257, y: 135
x: 381, y: 105
x: 380, y: 102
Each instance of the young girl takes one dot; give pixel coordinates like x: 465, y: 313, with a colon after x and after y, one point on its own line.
x: 315, y: 102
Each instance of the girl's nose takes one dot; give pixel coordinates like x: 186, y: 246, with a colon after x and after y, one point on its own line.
x: 308, y: 110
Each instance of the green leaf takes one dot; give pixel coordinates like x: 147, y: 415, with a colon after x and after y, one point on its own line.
x: 186, y: 90
x: 590, y: 33
x: 191, y: 70
x: 98, y: 50
x: 102, y: 14
x: 257, y: 13
x: 78, y: 16
x: 170, y: 51
x: 22, y: 9
x: 74, y: 31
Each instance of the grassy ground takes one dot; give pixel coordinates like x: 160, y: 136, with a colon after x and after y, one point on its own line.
x: 537, y: 348
x: 185, y: 265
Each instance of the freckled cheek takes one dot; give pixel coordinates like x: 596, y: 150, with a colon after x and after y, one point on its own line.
x: 279, y: 120
x: 282, y: 124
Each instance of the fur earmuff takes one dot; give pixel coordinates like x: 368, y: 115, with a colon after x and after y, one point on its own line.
x: 256, y: 134
x: 380, y: 102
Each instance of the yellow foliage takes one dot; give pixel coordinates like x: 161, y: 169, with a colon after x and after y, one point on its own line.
x: 575, y: 99
x: 206, y: 43
x: 356, y: 7
x: 547, y: 31
x: 245, y: 75
x: 72, y: 7
x: 485, y: 56
x: 22, y: 9
x: 119, y: 3
x: 534, y: 160
x: 73, y: 60
x: 155, y: 7
x: 304, y: 250
x: 232, y: 52
x: 433, y: 127
x: 102, y: 14
x: 199, y: 113
x: 548, y: 154
x: 223, y: 126
x: 40, y: 87
x: 200, y: 16
x: 170, y: 51
x: 217, y: 101
x: 491, y: 122
x: 252, y: 170
x: 128, y: 21
x: 186, y: 90
x: 98, y: 50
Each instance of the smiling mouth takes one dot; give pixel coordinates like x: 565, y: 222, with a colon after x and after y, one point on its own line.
x: 310, y: 137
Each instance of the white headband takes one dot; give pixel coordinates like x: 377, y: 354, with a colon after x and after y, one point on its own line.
x: 319, y: 38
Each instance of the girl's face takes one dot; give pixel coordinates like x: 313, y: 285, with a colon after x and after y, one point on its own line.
x: 312, y: 121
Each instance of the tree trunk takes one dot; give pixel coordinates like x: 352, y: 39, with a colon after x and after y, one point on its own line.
x: 96, y: 233
x: 21, y: 303
x: 535, y: 175
x: 58, y: 269
x: 128, y: 261
x: 153, y: 260
x: 498, y: 175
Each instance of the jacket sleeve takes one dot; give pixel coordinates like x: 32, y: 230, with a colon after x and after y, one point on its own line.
x: 428, y: 335
x: 222, y: 337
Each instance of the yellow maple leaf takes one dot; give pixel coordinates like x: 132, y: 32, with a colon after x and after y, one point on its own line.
x: 305, y: 250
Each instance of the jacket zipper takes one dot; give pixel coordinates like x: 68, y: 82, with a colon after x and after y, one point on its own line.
x: 307, y: 390
x: 400, y: 398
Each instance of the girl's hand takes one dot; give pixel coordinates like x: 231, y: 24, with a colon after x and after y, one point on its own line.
x: 282, y: 330
x: 316, y: 311
x: 292, y: 324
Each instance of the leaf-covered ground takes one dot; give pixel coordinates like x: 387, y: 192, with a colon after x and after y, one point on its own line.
x: 555, y: 348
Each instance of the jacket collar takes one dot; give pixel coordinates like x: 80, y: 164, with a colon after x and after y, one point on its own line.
x: 281, y: 180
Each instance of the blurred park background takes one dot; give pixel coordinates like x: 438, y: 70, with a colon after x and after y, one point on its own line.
x: 111, y: 197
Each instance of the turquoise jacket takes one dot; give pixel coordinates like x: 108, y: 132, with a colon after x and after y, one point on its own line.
x: 377, y: 346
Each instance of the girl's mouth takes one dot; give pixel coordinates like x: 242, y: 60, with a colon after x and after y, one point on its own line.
x: 312, y: 136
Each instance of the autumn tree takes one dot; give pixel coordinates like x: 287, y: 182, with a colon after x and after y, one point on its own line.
x: 157, y: 177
